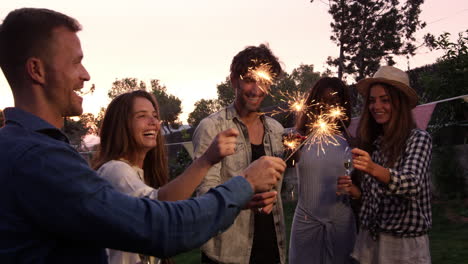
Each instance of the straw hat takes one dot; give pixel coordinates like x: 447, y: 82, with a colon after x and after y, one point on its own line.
x: 393, y: 76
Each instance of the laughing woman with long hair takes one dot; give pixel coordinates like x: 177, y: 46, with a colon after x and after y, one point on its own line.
x: 132, y: 157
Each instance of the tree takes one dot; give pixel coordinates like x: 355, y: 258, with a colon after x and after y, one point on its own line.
x: 226, y: 93
x: 169, y: 105
x: 444, y: 79
x: 300, y: 80
x: 2, y: 119
x: 305, y: 77
x: 125, y: 85
x: 76, y: 129
x: 451, y: 77
x: 369, y: 31
x: 203, y: 108
x: 99, y: 118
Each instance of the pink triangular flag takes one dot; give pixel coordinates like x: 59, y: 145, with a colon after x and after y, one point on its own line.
x: 422, y: 115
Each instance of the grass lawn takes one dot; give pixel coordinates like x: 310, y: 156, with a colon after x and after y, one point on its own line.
x: 448, y: 237
x: 449, y: 234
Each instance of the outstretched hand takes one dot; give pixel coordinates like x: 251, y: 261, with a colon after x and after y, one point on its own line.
x: 362, y: 161
x: 224, y: 144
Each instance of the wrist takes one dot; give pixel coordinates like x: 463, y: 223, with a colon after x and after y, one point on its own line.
x: 205, y: 161
x: 354, y: 192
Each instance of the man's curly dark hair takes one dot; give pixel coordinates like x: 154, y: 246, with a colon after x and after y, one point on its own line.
x: 252, y: 57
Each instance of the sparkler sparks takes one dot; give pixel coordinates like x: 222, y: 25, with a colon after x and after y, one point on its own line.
x: 323, y: 132
x: 292, y: 141
x: 295, y: 103
x: 262, y: 75
x: 337, y: 112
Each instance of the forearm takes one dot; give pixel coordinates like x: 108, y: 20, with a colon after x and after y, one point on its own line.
x: 167, y: 229
x: 380, y: 173
x: 355, y: 192
x: 185, y: 184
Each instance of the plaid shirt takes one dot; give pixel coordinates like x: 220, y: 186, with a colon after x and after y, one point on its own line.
x: 403, y: 206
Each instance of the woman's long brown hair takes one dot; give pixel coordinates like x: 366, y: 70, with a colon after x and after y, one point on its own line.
x: 315, y: 94
x: 117, y: 139
x: 397, y: 130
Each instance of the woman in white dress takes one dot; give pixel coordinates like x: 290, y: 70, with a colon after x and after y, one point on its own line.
x: 323, y: 229
x: 132, y: 157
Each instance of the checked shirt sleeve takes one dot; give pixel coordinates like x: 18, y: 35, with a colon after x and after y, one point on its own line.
x: 407, y: 177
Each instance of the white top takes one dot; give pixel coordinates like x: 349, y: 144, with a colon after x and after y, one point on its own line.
x: 128, y: 179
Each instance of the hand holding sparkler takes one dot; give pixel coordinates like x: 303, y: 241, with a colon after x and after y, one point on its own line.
x: 292, y: 142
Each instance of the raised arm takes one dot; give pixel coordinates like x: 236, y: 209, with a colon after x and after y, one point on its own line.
x: 202, y: 138
x: 183, y: 186
x: 82, y: 207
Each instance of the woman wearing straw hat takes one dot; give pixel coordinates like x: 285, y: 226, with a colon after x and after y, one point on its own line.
x: 394, y: 158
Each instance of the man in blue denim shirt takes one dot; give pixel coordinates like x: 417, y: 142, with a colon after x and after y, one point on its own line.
x: 53, y: 207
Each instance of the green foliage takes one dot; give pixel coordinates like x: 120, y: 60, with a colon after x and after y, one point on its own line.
x: 451, y: 76
x: 186, y: 135
x: 452, y: 50
x: 125, y: 85
x: 203, y: 108
x: 305, y: 77
x: 100, y: 117
x: 448, y: 175
x: 447, y: 78
x: 182, y: 161
x: 226, y: 93
x: 170, y: 106
x: 2, y: 118
x: 369, y: 31
x: 448, y: 236
x: 77, y: 129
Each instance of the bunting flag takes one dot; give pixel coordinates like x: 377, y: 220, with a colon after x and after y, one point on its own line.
x: 421, y: 114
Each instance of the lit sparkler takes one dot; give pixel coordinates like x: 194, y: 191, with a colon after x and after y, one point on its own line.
x: 339, y: 113
x: 262, y: 75
x: 294, y: 103
x: 323, y: 132
x: 292, y: 141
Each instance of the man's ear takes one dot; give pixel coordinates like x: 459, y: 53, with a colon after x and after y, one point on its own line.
x: 35, y: 69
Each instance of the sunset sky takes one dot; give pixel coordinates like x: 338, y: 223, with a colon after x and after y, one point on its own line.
x: 188, y: 45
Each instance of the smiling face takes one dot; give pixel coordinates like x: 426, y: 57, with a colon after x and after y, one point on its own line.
x: 380, y: 104
x: 249, y: 95
x: 145, y: 124
x: 64, y: 72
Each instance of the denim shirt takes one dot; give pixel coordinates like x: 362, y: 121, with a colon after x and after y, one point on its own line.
x: 55, y: 209
x: 235, y: 244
